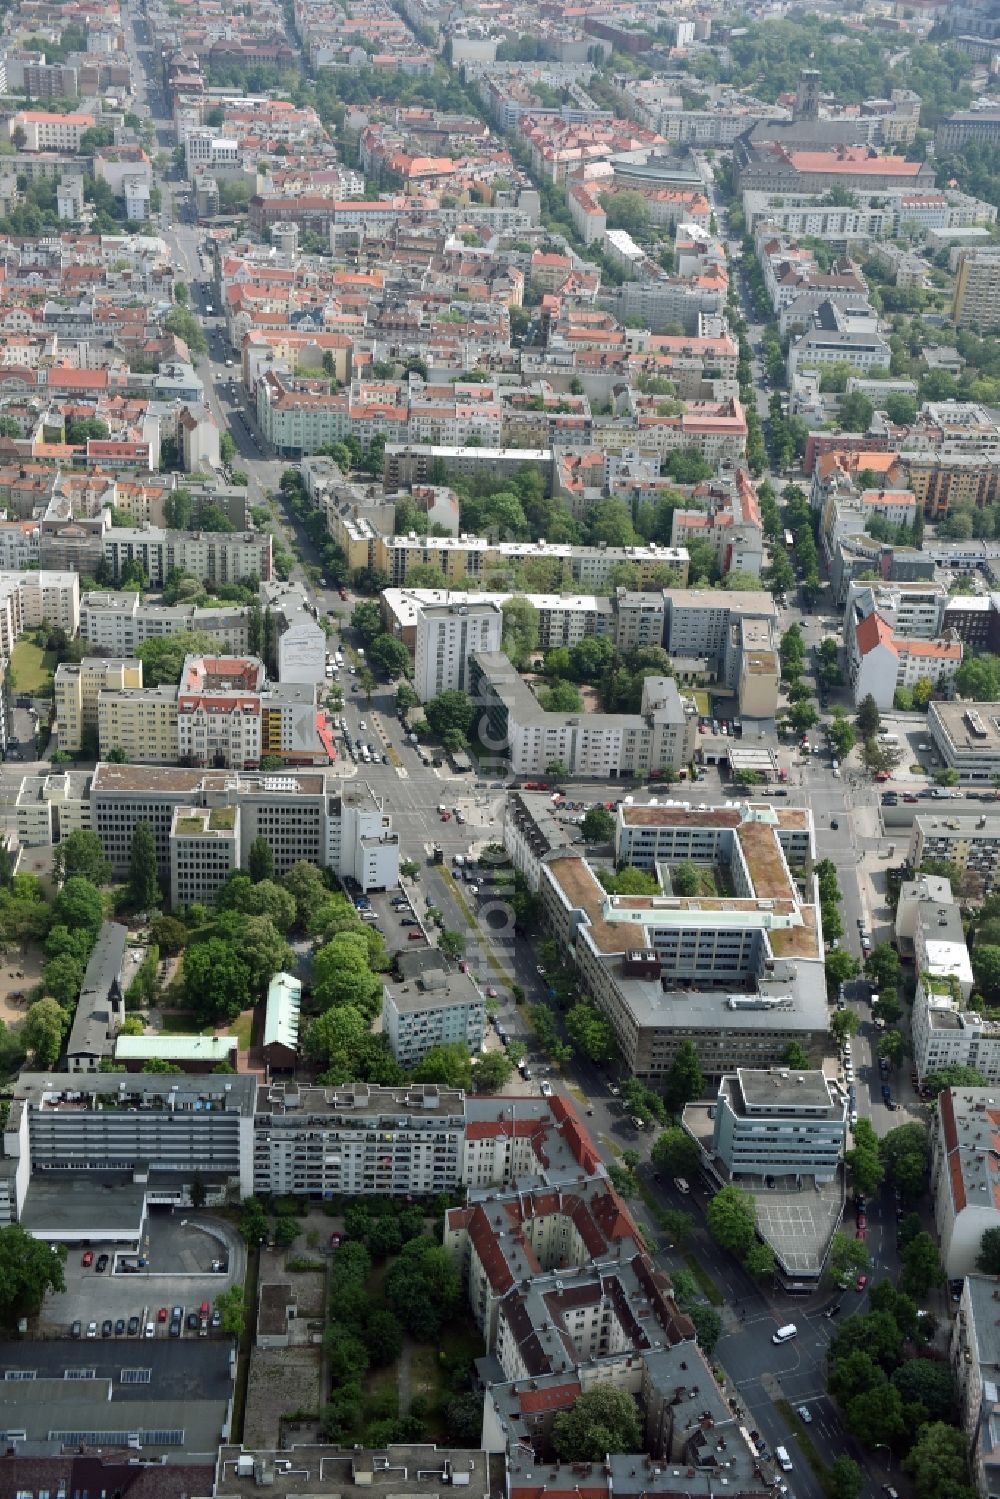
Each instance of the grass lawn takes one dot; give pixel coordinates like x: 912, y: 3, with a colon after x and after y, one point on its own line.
x: 701, y: 699
x: 33, y: 668
x: 182, y: 1023
x: 242, y: 1028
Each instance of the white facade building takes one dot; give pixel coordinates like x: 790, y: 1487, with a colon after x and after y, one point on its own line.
x: 446, y: 636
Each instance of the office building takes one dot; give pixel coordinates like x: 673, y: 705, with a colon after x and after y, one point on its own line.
x: 976, y: 302
x: 301, y: 814
x: 446, y: 637
x: 204, y: 852
x: 967, y: 737
x: 740, y: 977
x: 529, y: 739
x: 432, y: 1007
x: 77, y: 687
x: 47, y: 808
x: 779, y: 1122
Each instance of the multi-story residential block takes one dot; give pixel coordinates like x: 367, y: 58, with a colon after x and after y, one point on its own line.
x: 970, y: 843
x: 471, y: 556
x: 140, y: 722
x: 359, y: 1139
x: 431, y: 1007
x: 120, y: 622
x: 974, y: 1355
x: 730, y: 522
x: 976, y: 302
x: 839, y: 335
x: 78, y: 686
x: 895, y: 636
x: 778, y: 1122
x: 225, y: 557
x: 965, y: 1174
x: 301, y: 639
x: 227, y: 716
x: 563, y: 618
x: 446, y: 637
x: 528, y: 738
x: 42, y: 131
x: 640, y: 618
x: 48, y: 808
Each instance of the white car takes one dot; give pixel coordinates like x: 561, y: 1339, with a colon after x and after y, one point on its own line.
x: 804, y: 1414
x: 546, y: 1090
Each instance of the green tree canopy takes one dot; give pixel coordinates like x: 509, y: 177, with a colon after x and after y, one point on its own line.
x: 29, y: 1268
x: 599, y: 1422
x: 685, y: 1080
x: 82, y: 853
x: 732, y: 1219
x: 216, y: 981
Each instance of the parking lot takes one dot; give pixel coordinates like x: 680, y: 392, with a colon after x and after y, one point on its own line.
x: 180, y: 1251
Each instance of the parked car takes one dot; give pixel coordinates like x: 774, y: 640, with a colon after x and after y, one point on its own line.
x: 88, y: 1259
x: 133, y: 1327
x: 102, y: 1264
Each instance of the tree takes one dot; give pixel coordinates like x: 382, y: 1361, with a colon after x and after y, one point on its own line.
x: 406, y: 698
x: 869, y: 720
x: 216, y: 981
x: 856, y: 412
x: 143, y: 883
x: 759, y: 1260
x: 82, y: 853
x: 686, y: 879
x: 451, y: 716
x: 848, y: 1257
x: 986, y: 967
x: 845, y: 1479
x: 862, y: 1160
x: 938, y: 1462
x: 988, y: 1258
x: 169, y: 935
x: 62, y: 977
x: 305, y: 883
x: 29, y: 1268
x: 841, y: 736
x: 732, y: 1219
x: 423, y: 1288
x: 79, y: 906
x: 845, y: 1023
x: 492, y: 1072
x: 452, y: 944
x: 448, y: 1064
x: 628, y: 211
x: 383, y: 1337
x: 520, y: 630
x: 342, y: 975
x: 921, y: 1266
x: 260, y: 861
x: 591, y: 1032
x: 883, y: 967
x: 390, y: 655
x: 892, y: 1045
x: 598, y: 825
x: 795, y: 1057
x: 366, y: 618
x: 905, y: 1152
x: 42, y: 1033
x: 684, y: 1081
x: 599, y: 1422
x: 921, y: 1382
x: 232, y: 1309
x: 675, y: 1152
x: 954, y: 1077
x: 839, y: 967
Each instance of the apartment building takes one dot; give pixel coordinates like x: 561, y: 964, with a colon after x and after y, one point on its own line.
x: 219, y: 556
x: 976, y: 302
x: 563, y: 618
x: 461, y: 557
x: 779, y: 1122
x: 358, y: 1139
x: 965, y: 1174
x: 895, y: 636
x: 528, y: 738
x: 301, y: 640
x: 446, y: 637
x: 433, y: 1007
x: 971, y: 843
x: 699, y: 619
x: 728, y: 519
x: 120, y: 623
x: 840, y: 335
x: 141, y: 722
x: 974, y: 1355
x: 44, y: 131
x: 77, y: 688
x: 640, y: 618
x: 47, y: 808
x: 219, y: 711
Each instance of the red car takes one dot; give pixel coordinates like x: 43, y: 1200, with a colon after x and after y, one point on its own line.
x: 908, y: 796
x: 859, y: 1232
x: 88, y: 1259
x: 161, y: 1315
x: 415, y: 936
x: 862, y: 1221
x: 861, y: 1282
x: 883, y: 775
x: 446, y: 817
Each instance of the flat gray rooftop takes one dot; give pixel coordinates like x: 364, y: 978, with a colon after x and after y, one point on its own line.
x: 60, y: 1208
x: 780, y: 1090
x: 798, y: 1224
